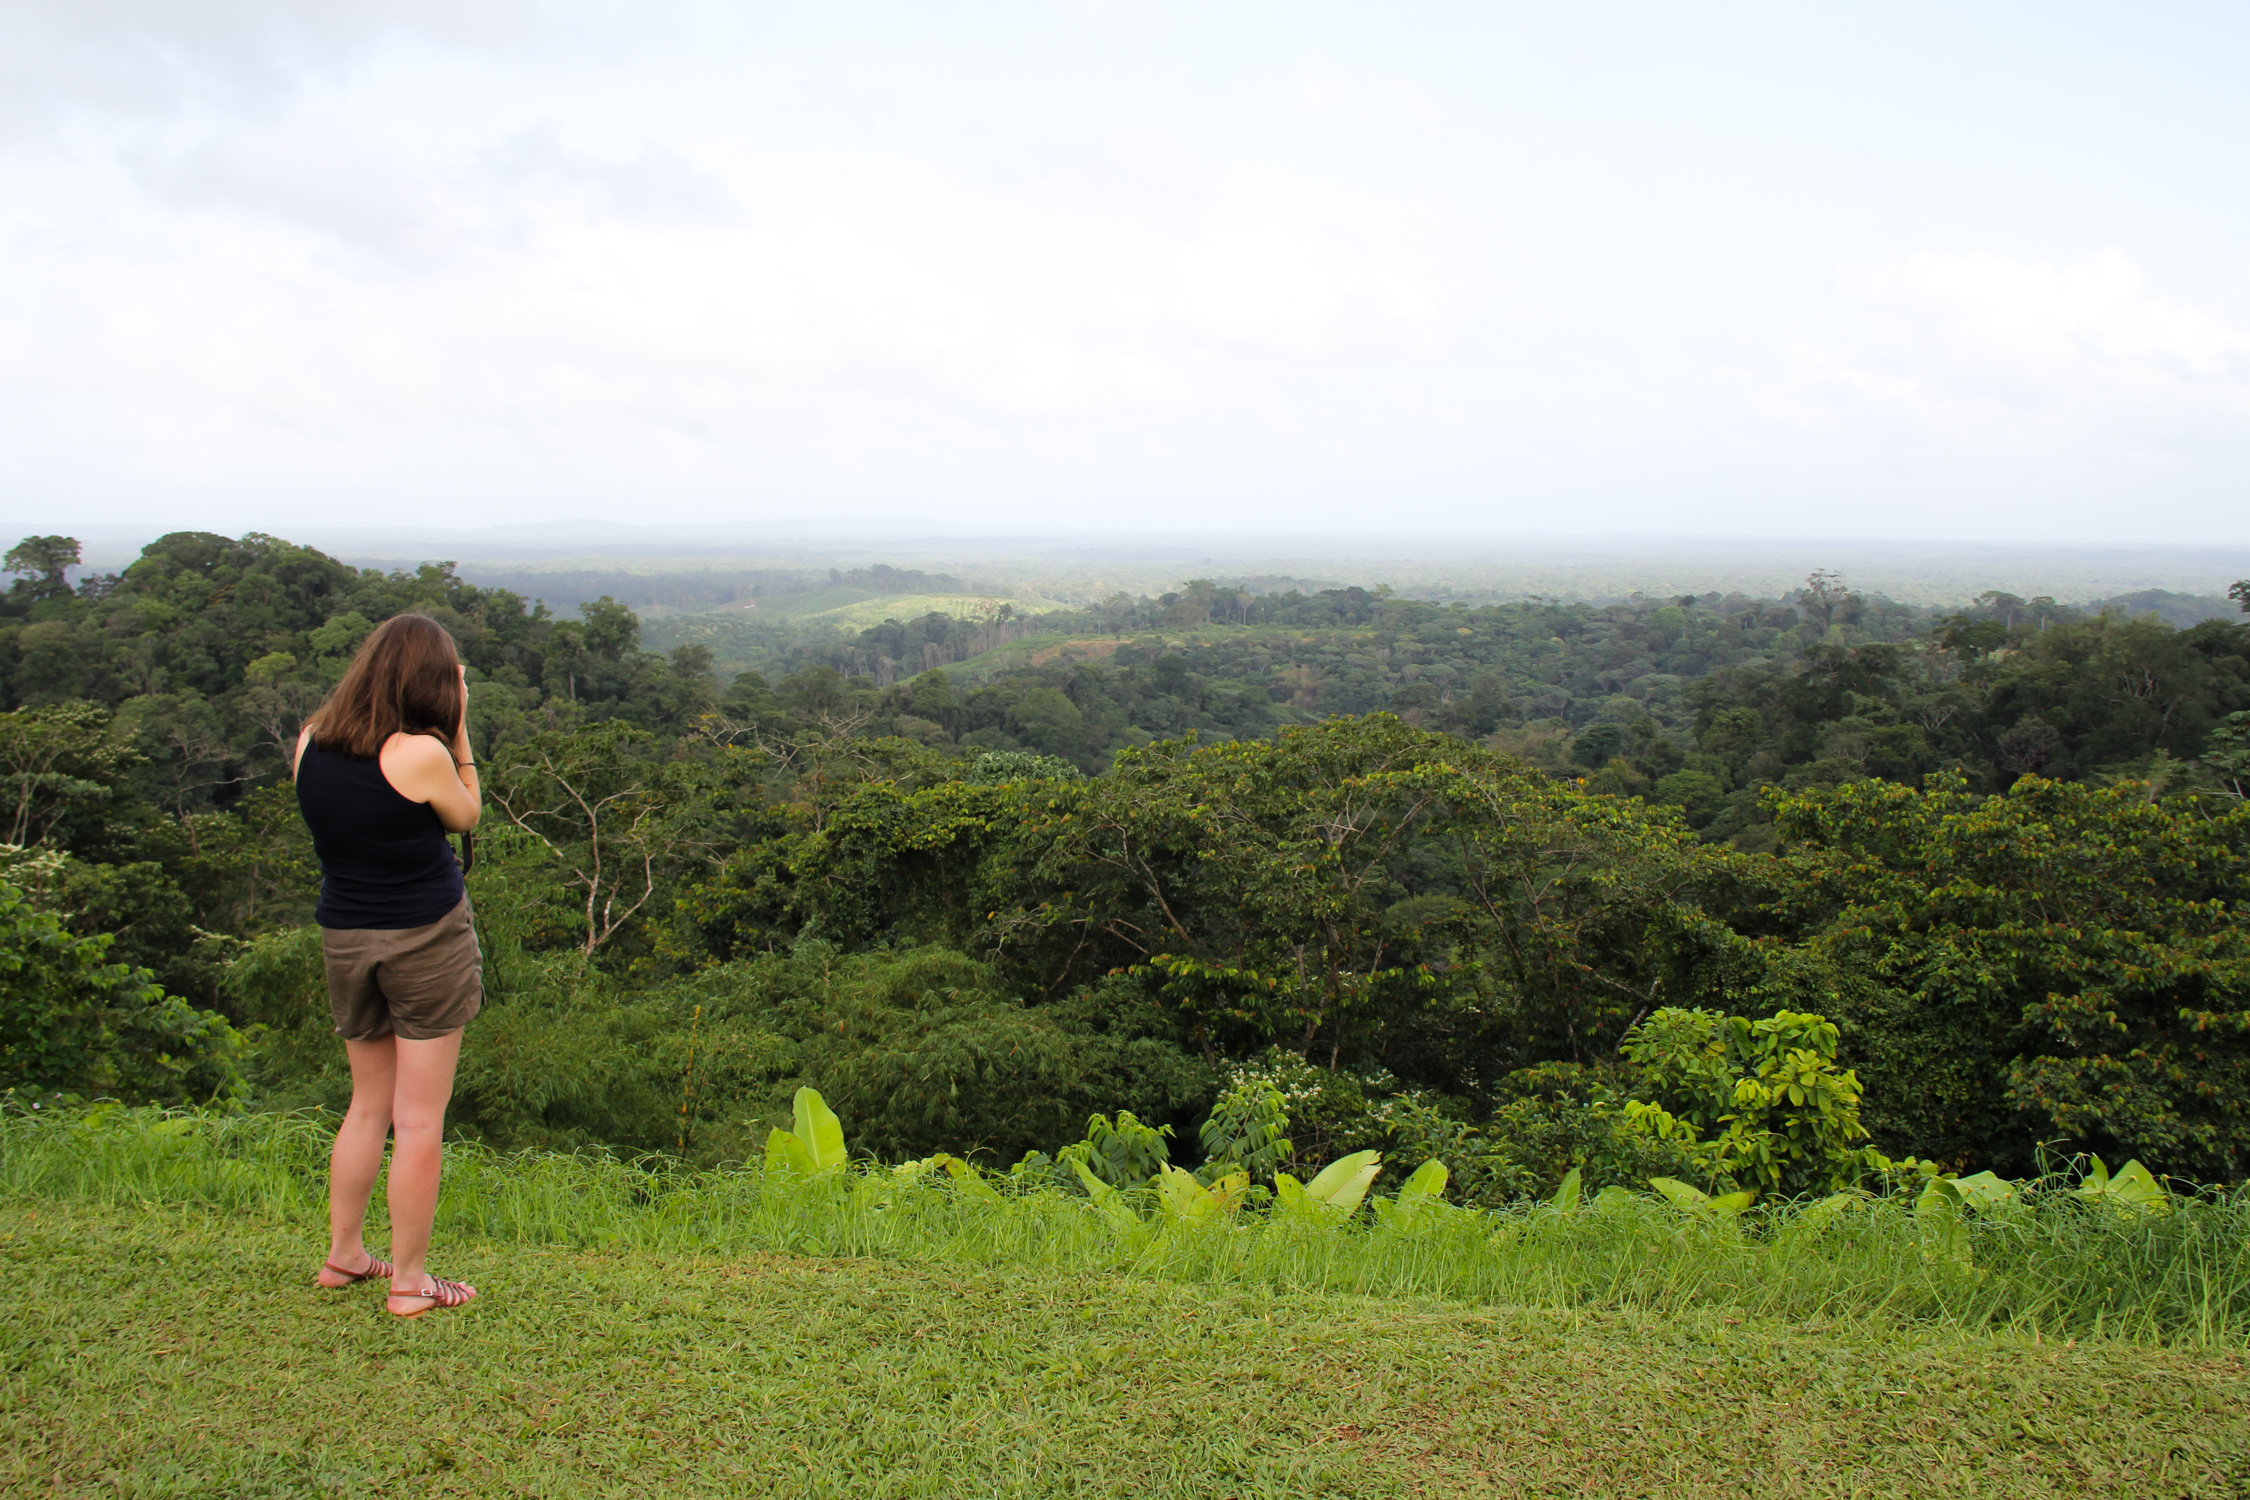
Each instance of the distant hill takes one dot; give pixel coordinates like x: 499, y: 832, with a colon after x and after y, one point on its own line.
x: 2176, y: 610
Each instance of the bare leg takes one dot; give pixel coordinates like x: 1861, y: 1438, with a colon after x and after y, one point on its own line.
x: 425, y: 1084
x: 358, y: 1155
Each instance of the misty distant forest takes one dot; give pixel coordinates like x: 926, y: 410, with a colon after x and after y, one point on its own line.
x: 979, y: 866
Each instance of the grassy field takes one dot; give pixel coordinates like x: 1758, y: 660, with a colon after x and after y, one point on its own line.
x: 180, y: 1351
x: 666, y: 1332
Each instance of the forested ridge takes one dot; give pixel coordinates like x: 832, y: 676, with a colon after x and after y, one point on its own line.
x: 1431, y: 872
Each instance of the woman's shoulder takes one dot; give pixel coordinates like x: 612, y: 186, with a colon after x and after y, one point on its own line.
x: 415, y: 749
x: 416, y: 766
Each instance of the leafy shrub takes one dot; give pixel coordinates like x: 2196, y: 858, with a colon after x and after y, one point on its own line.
x: 994, y: 767
x: 1327, y: 1112
x: 1124, y: 1152
x: 72, y: 1021
x: 562, y: 1056
x: 1246, y: 1132
x: 1782, y: 1117
x: 1554, y: 1119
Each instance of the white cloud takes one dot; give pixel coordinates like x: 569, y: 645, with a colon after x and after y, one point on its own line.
x: 325, y: 183
x: 655, y: 185
x: 2097, y: 315
x: 65, y: 61
x: 1212, y: 267
x: 1271, y: 288
x: 1326, y: 87
x: 2058, y: 363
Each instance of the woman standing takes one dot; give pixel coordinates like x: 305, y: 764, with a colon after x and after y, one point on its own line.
x: 383, y: 773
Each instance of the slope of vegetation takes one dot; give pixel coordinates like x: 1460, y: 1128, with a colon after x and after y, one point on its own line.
x: 1433, y: 928
x: 1697, y: 702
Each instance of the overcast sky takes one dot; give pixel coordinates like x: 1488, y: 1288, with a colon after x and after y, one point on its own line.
x: 1890, y: 269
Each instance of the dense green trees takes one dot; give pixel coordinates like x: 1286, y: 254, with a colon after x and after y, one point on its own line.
x: 72, y: 1021
x: 1697, y: 703
x: 1432, y: 864
x: 2056, y: 963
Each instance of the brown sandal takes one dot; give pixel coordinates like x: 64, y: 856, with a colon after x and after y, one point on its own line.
x: 442, y: 1293
x: 376, y: 1267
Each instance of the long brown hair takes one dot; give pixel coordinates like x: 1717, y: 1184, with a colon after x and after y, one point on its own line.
x: 404, y: 680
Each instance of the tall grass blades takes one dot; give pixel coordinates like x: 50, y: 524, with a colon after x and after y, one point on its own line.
x: 2050, y: 1261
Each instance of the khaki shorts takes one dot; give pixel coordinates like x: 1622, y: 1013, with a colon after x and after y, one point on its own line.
x: 414, y: 982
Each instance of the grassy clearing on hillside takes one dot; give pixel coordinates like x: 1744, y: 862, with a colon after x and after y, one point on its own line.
x: 2054, y: 1270
x: 903, y: 607
x: 175, y: 1352
x: 856, y: 609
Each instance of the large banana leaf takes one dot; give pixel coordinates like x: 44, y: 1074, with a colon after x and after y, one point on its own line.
x: 2134, y: 1188
x: 1342, y: 1185
x: 785, y: 1153
x: 1939, y: 1200
x: 1695, y: 1200
x: 1817, y: 1216
x: 1428, y: 1181
x: 1984, y: 1190
x: 820, y: 1130
x: 1180, y: 1196
x: 1419, y: 1203
x: 815, y: 1146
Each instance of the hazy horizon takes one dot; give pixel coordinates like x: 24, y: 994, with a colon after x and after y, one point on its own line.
x: 1633, y: 268
x: 1085, y: 564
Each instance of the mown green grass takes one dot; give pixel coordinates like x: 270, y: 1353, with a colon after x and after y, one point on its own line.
x: 664, y: 1332
x: 2053, y: 1267
x: 182, y: 1351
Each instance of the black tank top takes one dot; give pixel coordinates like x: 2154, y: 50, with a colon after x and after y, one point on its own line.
x: 384, y: 861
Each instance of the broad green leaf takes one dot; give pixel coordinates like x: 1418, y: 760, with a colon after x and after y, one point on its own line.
x: 969, y: 1181
x: 1679, y: 1193
x: 786, y: 1153
x: 1289, y: 1192
x: 1734, y: 1203
x: 1613, y: 1196
x: 1343, y: 1183
x: 2133, y: 1187
x: 1817, y: 1215
x: 1095, y: 1187
x: 1228, y: 1190
x: 1939, y: 1199
x: 1180, y: 1196
x: 1567, y: 1196
x: 1107, y: 1202
x: 1984, y: 1189
x: 1428, y: 1181
x: 2136, y: 1185
x: 820, y: 1130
